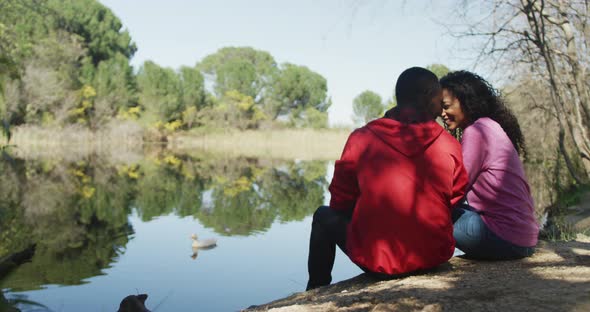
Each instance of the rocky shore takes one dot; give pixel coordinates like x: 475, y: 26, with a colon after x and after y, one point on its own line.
x: 555, y: 278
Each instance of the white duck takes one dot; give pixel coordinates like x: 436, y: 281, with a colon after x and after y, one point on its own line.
x: 202, y: 244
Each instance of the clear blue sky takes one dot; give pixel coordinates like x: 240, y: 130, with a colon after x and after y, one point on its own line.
x: 355, y: 44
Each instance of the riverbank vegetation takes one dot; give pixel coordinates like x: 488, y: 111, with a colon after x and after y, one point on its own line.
x: 67, y: 63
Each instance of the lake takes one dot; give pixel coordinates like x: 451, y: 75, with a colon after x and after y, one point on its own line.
x: 104, y: 229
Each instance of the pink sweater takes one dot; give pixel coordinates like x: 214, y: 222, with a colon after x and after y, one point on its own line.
x: 497, y: 184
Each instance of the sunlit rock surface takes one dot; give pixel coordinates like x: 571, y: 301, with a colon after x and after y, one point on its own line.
x: 556, y: 278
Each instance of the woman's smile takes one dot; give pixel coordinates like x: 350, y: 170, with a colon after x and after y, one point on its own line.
x: 452, y: 113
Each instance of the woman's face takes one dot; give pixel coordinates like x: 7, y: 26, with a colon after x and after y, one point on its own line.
x: 452, y: 113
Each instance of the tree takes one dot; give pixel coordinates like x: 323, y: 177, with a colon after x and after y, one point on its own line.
x: 243, y: 69
x: 390, y: 103
x: 57, y: 47
x: 311, y: 118
x: 49, y: 86
x: 116, y: 88
x: 159, y: 93
x: 192, y: 87
x: 96, y: 24
x: 367, y: 106
x: 7, y: 63
x: 299, y: 93
x: 438, y: 69
x: 22, y: 23
x: 548, y: 39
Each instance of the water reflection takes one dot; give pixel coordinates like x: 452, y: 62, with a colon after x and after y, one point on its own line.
x: 77, y: 213
x: 117, y: 228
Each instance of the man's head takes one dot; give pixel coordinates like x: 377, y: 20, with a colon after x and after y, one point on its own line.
x: 418, y: 88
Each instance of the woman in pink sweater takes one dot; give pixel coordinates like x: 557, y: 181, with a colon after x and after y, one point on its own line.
x: 497, y: 220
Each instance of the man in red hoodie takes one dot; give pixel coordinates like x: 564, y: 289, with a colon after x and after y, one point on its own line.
x: 393, y: 190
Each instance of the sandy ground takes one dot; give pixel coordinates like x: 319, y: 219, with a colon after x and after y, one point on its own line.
x: 555, y: 278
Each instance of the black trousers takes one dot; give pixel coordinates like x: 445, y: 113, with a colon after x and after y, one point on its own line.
x: 328, y: 230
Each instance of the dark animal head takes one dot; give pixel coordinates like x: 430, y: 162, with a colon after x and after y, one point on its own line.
x: 134, y: 303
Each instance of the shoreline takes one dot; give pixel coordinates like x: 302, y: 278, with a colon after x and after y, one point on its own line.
x: 300, y: 144
x: 130, y: 138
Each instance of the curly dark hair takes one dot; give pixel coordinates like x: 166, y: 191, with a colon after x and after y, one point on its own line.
x: 479, y: 99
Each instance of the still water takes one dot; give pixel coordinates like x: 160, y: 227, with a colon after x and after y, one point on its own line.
x: 105, y: 229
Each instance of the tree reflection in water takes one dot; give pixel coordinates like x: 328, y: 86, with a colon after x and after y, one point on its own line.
x: 77, y: 212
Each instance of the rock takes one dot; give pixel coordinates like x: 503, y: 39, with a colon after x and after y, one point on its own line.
x: 555, y: 278
x: 582, y: 238
x: 578, y: 217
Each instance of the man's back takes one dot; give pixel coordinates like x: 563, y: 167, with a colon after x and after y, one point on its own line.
x: 401, y: 181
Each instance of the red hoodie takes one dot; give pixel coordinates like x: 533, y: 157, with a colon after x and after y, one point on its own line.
x: 401, y: 181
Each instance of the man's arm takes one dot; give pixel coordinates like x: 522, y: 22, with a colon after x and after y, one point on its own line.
x: 344, y: 187
x: 460, y: 180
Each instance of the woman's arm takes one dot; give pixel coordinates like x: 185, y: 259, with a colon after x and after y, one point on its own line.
x: 474, y: 146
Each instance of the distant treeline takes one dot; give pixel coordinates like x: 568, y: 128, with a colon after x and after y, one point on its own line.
x: 66, y: 62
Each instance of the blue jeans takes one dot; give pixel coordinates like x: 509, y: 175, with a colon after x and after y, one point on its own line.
x: 476, y: 240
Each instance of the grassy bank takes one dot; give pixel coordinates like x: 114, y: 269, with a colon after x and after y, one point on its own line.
x: 129, y: 140
x: 122, y: 141
x: 304, y: 144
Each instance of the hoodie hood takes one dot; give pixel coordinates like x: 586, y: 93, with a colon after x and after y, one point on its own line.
x: 409, y: 139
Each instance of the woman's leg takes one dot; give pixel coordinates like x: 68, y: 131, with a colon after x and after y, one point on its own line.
x: 477, y: 242
x: 328, y: 230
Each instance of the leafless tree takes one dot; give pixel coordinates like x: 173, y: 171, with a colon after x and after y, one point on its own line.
x: 546, y: 41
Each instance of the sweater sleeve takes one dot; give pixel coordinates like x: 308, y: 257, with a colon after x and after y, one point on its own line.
x: 344, y: 187
x: 474, y: 146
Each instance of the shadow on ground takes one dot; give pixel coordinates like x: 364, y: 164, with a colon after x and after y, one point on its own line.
x: 556, y: 278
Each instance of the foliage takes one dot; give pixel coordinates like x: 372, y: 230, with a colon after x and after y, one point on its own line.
x: 192, y: 88
x: 48, y: 88
x: 296, y: 90
x: 310, y: 118
x: 239, y: 110
x: 81, y: 113
x: 8, y: 67
x: 159, y: 92
x: 438, y: 69
x: 52, y: 49
x: 56, y: 47
x: 546, y: 39
x: 243, y: 69
x: 367, y: 106
x: 100, y: 30
x: 23, y: 23
x: 116, y: 90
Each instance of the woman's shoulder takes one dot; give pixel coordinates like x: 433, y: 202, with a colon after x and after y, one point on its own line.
x: 487, y: 132
x: 485, y: 122
x: 484, y: 126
